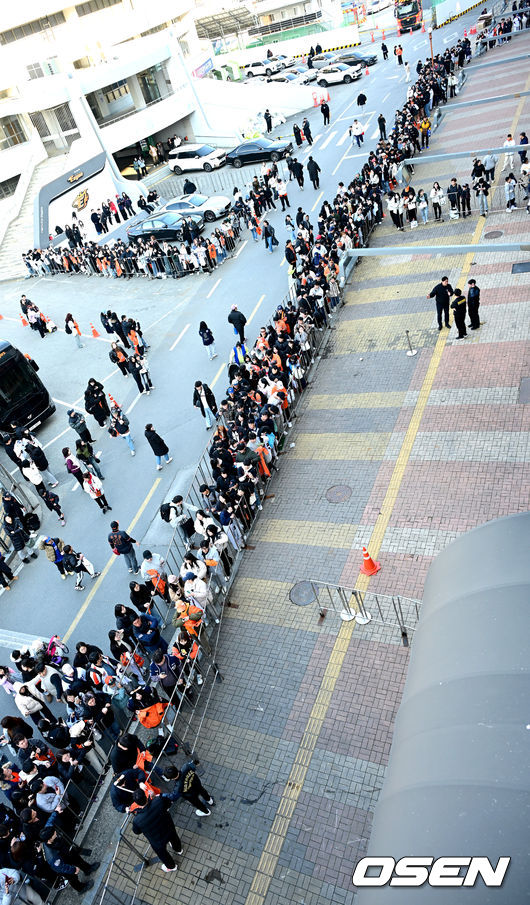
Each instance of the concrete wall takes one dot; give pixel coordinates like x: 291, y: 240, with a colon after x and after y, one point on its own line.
x: 447, y: 9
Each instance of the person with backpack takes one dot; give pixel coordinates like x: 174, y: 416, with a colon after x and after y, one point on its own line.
x: 77, y: 563
x: 71, y: 327
x: 122, y: 545
x: 208, y: 340
x: 118, y: 357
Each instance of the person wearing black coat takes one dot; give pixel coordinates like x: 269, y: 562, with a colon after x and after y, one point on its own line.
x: 12, y: 506
x: 204, y: 399
x: 77, y: 422
x: 158, y: 445
x: 96, y: 402
x: 152, y: 820
x: 140, y: 596
x: 313, y: 169
x: 19, y: 537
x: 238, y: 321
x: 123, y: 787
x: 125, y: 617
x: 189, y: 187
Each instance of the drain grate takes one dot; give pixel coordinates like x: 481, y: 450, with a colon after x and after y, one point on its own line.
x: 303, y: 593
x: 339, y: 493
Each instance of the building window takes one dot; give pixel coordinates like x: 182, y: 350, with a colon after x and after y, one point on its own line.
x: 40, y: 70
x: 11, y: 132
x: 8, y: 187
x: 65, y: 119
x: 35, y: 71
x: 40, y: 124
x: 116, y: 90
x: 84, y: 9
x: 31, y: 28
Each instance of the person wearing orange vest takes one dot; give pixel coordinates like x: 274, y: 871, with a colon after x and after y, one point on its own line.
x: 71, y: 326
x: 152, y: 571
x: 118, y: 357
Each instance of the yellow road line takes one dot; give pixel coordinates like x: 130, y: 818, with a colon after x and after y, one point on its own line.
x: 256, y: 306
x: 104, y: 572
x: 273, y: 845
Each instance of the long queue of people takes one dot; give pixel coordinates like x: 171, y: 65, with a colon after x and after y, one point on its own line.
x: 47, y: 780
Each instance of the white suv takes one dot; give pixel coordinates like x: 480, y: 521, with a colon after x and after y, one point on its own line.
x: 196, y: 157
x: 263, y: 67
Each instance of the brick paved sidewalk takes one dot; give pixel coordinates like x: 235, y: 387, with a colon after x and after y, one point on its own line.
x: 298, y: 735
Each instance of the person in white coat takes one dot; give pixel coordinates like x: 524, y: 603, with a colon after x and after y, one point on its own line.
x: 93, y: 486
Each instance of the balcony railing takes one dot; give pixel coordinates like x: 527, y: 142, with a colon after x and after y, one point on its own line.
x: 108, y: 121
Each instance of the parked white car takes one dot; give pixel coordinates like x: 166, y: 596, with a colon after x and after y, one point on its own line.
x: 326, y: 58
x: 210, y: 207
x: 261, y: 67
x: 333, y: 75
x: 196, y: 157
x: 288, y: 78
x: 307, y: 75
x: 284, y: 61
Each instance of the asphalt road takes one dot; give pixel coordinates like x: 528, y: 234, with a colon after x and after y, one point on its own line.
x: 169, y: 311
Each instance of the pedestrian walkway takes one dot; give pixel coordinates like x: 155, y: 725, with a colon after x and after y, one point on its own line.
x: 398, y: 453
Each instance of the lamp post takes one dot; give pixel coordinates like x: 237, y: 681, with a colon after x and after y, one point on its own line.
x: 430, y: 42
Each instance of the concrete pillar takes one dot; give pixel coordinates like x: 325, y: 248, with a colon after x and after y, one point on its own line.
x: 136, y: 92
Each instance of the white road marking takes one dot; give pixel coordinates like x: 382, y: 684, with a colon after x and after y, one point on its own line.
x: 282, y: 262
x: 375, y: 134
x: 179, y: 337
x: 343, y: 138
x: 133, y: 403
x: 392, y: 76
x: 241, y: 249
x: 217, y: 376
x: 450, y: 37
x: 98, y: 454
x: 75, y: 486
x: 214, y: 287
x: 68, y: 405
x: 16, y: 640
x: 385, y: 97
x: 329, y: 139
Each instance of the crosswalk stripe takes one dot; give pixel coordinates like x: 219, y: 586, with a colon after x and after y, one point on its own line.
x: 344, y: 137
x: 328, y: 140
x: 376, y: 134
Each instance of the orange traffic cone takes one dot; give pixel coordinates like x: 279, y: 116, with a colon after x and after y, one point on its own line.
x: 373, y: 39
x: 383, y: 34
x: 95, y: 333
x: 465, y: 33
x: 24, y: 321
x: 369, y: 567
x: 411, y: 32
x: 423, y: 27
x: 367, y: 71
x: 1, y: 317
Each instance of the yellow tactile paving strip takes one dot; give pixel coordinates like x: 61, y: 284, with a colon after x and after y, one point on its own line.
x: 312, y: 534
x: 356, y: 400
x: 367, y: 446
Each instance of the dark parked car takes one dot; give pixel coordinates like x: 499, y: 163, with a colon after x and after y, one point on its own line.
x: 258, y: 149
x: 350, y: 57
x: 165, y: 225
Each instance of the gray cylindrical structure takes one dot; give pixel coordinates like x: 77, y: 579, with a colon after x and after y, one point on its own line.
x: 458, y: 779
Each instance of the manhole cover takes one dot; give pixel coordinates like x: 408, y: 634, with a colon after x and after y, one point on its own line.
x: 303, y: 593
x: 523, y: 267
x: 339, y: 493
x: 494, y: 234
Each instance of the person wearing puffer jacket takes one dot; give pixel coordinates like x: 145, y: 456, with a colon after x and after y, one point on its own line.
x: 30, y: 702
x: 54, y: 549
